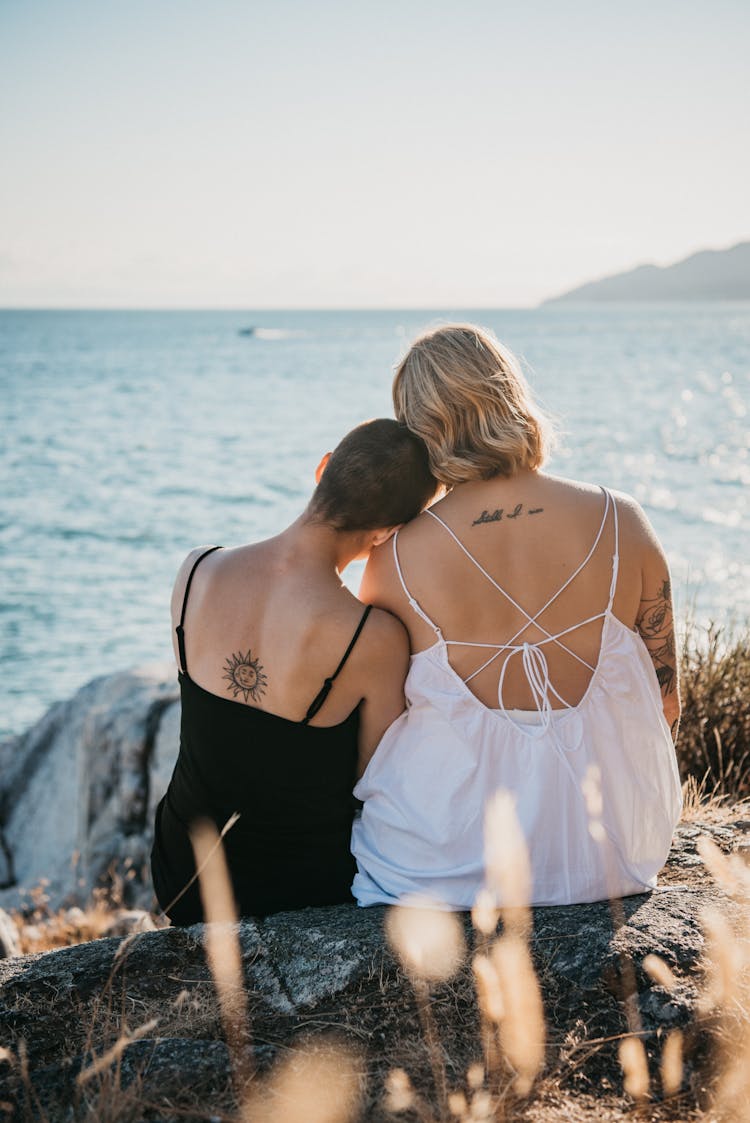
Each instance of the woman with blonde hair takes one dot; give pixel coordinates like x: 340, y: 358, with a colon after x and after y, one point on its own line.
x: 543, y: 660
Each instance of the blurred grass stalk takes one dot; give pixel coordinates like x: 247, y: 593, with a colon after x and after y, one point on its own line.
x: 725, y: 996
x: 317, y: 1081
x: 223, y: 951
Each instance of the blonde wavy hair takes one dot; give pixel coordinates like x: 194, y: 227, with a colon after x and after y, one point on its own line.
x: 465, y: 395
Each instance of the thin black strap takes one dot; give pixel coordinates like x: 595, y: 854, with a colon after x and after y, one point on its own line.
x: 325, y: 690
x: 180, y: 629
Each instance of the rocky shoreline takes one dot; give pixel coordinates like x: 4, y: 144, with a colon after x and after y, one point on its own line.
x: 78, y: 790
x: 94, y: 769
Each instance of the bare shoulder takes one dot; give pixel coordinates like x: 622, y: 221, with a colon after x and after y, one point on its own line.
x: 387, y: 638
x: 637, y: 535
x: 635, y: 525
x: 379, y: 585
x: 383, y: 652
x: 181, y: 580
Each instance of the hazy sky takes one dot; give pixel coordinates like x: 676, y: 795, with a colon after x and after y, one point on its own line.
x: 302, y: 153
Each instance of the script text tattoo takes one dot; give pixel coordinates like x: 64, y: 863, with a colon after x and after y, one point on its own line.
x: 500, y: 513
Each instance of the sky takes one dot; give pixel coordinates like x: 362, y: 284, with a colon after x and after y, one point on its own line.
x: 297, y: 153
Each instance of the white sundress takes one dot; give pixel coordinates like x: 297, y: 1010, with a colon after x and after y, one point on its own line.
x: 421, y: 830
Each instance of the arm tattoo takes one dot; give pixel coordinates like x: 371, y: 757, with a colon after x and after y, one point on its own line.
x: 245, y: 676
x: 655, y: 624
x: 497, y: 515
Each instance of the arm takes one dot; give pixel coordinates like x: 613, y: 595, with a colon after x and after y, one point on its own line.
x: 655, y: 625
x: 387, y: 657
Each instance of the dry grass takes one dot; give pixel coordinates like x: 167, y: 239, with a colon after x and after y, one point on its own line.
x: 41, y: 928
x: 713, y: 747
x: 513, y: 1076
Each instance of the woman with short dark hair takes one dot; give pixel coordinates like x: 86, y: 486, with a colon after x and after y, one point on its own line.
x: 287, y: 685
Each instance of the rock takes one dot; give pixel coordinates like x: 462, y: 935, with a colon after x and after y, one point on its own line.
x: 149, y: 1069
x: 76, y: 791
x: 9, y: 944
x: 330, y: 970
x: 163, y: 756
x: 7, y: 874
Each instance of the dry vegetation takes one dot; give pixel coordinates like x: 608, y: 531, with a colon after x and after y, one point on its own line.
x: 714, y: 742
x: 510, y: 1077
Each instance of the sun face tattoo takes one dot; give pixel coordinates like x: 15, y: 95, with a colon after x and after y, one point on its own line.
x: 245, y: 676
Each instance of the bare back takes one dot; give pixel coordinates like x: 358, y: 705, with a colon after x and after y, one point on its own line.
x: 530, y: 533
x: 266, y: 629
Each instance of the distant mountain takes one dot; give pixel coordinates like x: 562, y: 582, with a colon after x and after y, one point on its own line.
x: 708, y: 275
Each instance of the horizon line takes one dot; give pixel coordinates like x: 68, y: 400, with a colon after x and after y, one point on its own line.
x: 247, y: 309
x: 271, y: 307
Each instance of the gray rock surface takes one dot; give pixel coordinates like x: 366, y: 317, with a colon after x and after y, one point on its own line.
x: 78, y: 789
x: 320, y: 971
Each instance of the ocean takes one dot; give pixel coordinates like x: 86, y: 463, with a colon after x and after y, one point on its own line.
x: 130, y: 437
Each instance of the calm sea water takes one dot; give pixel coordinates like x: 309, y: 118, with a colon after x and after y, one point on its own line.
x: 130, y: 437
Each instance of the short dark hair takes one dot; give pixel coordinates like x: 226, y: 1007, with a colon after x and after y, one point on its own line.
x: 377, y: 476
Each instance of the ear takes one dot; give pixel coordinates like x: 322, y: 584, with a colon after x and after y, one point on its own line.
x: 381, y: 536
x: 322, y: 467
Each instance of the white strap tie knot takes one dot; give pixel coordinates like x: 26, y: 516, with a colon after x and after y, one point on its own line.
x: 536, y: 669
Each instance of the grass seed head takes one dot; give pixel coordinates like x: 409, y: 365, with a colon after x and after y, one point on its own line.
x: 428, y: 941
x: 508, y: 869
x: 457, y: 1104
x: 482, y: 1107
x: 485, y: 914
x: 659, y: 972
x: 718, y: 865
x: 724, y: 960
x: 591, y: 787
x: 671, y: 1063
x: 522, y: 1029
x: 319, y: 1082
x: 632, y: 1057
x: 489, y: 991
x: 399, y: 1094
x: 475, y: 1075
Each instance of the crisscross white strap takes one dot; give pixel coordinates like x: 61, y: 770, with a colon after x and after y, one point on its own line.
x: 534, y: 660
x: 531, y: 619
x: 535, y: 618
x: 615, y: 557
x: 414, y: 603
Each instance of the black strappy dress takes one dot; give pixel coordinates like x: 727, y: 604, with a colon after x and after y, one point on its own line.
x: 291, y: 783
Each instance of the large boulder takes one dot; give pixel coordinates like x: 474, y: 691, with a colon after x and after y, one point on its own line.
x: 77, y: 790
x: 330, y: 971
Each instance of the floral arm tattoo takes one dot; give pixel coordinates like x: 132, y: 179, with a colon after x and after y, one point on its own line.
x: 655, y: 624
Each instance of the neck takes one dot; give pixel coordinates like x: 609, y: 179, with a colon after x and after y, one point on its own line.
x: 321, y: 544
